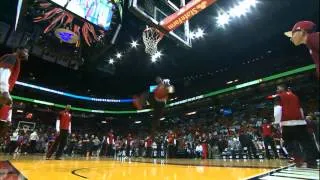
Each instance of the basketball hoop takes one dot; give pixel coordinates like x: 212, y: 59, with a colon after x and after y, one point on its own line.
x: 151, y: 37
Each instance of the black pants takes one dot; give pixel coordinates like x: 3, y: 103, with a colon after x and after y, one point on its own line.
x: 60, y: 141
x: 12, y: 146
x: 110, y: 151
x: 70, y: 148
x: 171, y: 153
x: 268, y: 141
x: 250, y: 147
x: 294, y: 136
x: 33, y: 145
x: 158, y: 108
x: 128, y: 148
x: 149, y: 152
x: 4, y: 128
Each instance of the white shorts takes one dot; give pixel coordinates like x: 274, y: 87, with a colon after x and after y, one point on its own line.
x: 4, y: 79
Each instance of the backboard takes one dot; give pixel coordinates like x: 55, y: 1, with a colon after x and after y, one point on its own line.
x: 26, y: 126
x: 154, y: 11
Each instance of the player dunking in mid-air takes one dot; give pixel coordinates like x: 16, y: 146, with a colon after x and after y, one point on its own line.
x: 9, y: 73
x: 157, y: 100
x: 304, y: 32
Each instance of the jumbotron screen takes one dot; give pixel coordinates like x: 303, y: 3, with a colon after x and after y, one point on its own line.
x: 98, y: 12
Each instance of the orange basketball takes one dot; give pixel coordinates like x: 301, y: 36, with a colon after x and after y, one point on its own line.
x: 136, y: 102
x: 161, y: 92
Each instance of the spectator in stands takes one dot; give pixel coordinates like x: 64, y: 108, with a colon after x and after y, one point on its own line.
x: 312, y: 129
x: 267, y: 132
x: 245, y: 139
x: 110, y: 143
x: 198, y: 150
x: 95, y: 146
x: 154, y: 149
x: 211, y: 146
x: 34, y: 138
x: 204, y: 145
x: 13, y: 141
x: 72, y: 144
x: 85, y: 145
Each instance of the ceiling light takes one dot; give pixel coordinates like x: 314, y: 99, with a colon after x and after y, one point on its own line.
x: 192, y: 35
x: 153, y: 59
x: 137, y: 122
x: 239, y: 10
x: 223, y: 19
x: 156, y: 56
x: 162, y: 119
x: 111, y: 61
x: 118, y: 55
x: 199, y: 33
x: 250, y: 3
x: 134, y: 44
x: 229, y: 82
x: 191, y: 113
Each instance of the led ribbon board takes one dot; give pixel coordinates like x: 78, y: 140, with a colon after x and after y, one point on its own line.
x: 78, y: 108
x: 247, y: 84
x: 73, y: 95
x: 214, y: 93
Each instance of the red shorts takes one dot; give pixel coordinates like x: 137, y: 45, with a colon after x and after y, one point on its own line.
x: 4, y: 112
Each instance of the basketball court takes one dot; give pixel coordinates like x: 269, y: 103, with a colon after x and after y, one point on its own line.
x: 35, y: 167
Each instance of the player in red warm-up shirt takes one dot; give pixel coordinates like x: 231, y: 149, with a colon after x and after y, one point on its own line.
x: 171, y: 144
x: 63, y: 127
x: 148, y: 146
x: 129, y: 143
x: 9, y: 73
x: 304, y: 32
x: 294, y: 127
x: 110, y: 143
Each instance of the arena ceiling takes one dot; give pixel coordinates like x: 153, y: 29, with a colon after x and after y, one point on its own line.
x: 249, y: 47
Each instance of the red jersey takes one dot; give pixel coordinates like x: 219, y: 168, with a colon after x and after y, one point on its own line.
x: 290, y: 106
x: 171, y: 138
x: 313, y: 45
x: 11, y: 62
x: 65, y: 119
x: 148, y: 142
x: 110, y: 138
x: 266, y: 130
x: 242, y: 130
x: 161, y: 92
x: 129, y: 141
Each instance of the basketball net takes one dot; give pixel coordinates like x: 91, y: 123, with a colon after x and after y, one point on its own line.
x: 25, y: 129
x: 151, y: 37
